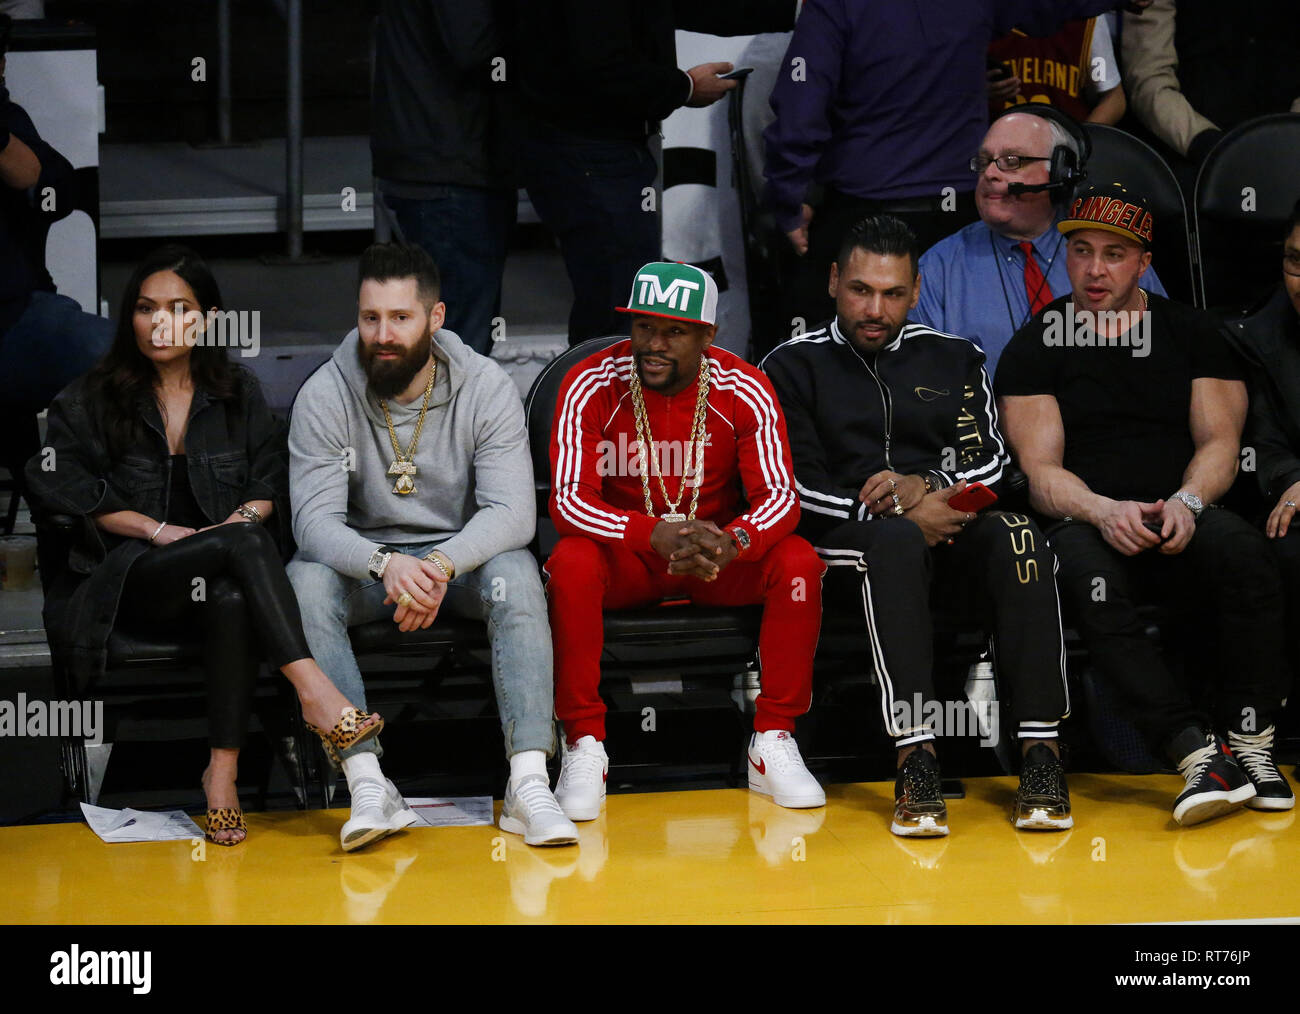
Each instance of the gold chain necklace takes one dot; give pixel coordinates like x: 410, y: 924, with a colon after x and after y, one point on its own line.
x: 694, y: 448
x: 403, y: 465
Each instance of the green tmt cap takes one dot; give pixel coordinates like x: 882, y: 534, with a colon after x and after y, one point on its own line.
x: 676, y: 291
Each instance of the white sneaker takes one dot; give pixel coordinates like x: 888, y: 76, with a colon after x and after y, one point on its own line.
x: 776, y: 769
x: 580, y: 790
x: 530, y: 809
x: 378, y: 810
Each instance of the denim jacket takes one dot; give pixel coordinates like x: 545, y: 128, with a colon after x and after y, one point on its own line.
x: 236, y: 451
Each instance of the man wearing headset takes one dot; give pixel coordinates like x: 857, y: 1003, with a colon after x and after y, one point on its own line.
x: 986, y: 281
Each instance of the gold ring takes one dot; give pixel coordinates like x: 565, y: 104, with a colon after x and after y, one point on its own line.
x: 893, y: 484
x: 404, y: 599
x: 898, y: 510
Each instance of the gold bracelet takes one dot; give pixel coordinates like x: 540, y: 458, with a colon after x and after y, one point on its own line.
x: 439, y: 564
x: 249, y: 513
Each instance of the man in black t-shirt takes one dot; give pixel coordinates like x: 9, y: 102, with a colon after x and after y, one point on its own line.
x: 1125, y: 411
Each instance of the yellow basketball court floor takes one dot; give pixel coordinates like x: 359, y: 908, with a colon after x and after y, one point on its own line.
x: 709, y: 856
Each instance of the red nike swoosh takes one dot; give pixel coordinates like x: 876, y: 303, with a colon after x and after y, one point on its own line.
x: 760, y: 767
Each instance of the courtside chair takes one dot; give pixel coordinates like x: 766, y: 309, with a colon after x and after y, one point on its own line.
x: 1119, y: 157
x: 1245, y: 190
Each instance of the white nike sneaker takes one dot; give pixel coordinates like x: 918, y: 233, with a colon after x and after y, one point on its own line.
x: 776, y: 769
x: 580, y: 789
x: 530, y: 810
x: 378, y: 810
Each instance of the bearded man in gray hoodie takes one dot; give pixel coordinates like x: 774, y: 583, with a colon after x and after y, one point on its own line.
x: 412, y: 491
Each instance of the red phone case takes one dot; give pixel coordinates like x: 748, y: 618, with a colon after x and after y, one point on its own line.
x: 973, y: 498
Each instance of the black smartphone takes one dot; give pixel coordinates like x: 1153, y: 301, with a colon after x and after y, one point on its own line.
x: 1155, y: 528
x: 737, y: 74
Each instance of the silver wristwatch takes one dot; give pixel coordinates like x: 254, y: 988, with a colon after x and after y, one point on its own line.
x: 378, y: 561
x: 1191, y: 501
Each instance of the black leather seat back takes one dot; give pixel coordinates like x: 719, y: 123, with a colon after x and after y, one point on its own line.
x: 1244, y: 193
x: 1119, y: 157
x: 539, y: 412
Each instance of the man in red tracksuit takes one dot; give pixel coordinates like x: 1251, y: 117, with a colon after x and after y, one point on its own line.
x: 672, y: 477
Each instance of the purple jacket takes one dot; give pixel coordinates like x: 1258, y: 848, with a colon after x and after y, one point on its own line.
x: 885, y: 99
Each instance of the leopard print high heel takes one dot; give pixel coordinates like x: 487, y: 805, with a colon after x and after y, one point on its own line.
x: 347, y: 732
x: 225, y: 818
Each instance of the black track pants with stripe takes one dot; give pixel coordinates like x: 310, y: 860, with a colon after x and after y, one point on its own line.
x: 999, y: 573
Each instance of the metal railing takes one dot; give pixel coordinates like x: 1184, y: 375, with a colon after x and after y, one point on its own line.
x: 291, y: 12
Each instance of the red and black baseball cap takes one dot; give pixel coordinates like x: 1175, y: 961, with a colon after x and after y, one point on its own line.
x: 1113, y: 208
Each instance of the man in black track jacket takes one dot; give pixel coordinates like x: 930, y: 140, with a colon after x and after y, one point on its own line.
x: 888, y: 422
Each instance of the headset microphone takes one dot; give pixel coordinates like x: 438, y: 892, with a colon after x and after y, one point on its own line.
x: 1066, y: 169
x: 1034, y: 188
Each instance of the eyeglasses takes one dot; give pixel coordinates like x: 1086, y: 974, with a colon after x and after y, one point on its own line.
x: 1007, y: 163
x: 1291, y: 262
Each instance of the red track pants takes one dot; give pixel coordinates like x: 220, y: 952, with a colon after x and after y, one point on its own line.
x: 585, y: 577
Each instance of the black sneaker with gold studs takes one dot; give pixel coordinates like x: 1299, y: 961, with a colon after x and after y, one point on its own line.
x: 919, y: 809
x: 1043, y: 799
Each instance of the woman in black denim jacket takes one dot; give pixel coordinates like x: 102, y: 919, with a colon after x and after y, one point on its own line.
x: 178, y: 470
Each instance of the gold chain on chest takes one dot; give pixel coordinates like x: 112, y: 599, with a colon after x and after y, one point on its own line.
x: 403, y: 466
x: 694, y: 450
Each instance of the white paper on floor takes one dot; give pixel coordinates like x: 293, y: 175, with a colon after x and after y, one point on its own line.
x: 459, y: 811
x: 118, y: 826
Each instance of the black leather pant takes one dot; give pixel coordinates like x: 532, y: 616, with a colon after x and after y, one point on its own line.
x: 228, y: 587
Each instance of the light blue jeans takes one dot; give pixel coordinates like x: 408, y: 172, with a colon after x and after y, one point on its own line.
x: 506, y: 592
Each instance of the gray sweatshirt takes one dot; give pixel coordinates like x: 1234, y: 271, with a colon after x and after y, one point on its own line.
x: 474, y: 485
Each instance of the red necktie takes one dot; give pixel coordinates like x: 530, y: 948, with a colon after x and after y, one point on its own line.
x: 1036, y: 289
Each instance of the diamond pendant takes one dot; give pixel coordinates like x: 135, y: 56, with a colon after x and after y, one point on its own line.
x: 403, y: 470
x: 674, y: 518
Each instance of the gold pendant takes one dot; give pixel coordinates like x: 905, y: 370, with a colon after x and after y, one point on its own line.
x: 403, y: 470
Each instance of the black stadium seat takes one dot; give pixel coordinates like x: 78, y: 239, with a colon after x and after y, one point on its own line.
x: 1245, y: 190
x: 1119, y: 157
